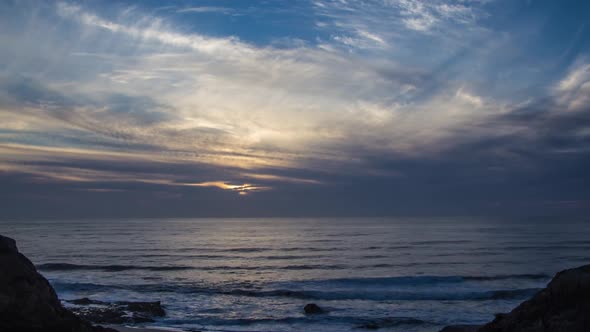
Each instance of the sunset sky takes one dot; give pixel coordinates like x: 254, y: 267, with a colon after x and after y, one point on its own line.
x: 294, y: 108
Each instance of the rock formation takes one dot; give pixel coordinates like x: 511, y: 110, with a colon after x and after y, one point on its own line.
x: 563, y: 306
x: 123, y: 312
x: 28, y: 303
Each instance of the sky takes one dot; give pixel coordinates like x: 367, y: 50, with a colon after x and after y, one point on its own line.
x: 302, y: 108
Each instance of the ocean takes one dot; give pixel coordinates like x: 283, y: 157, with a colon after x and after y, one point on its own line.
x: 395, y: 274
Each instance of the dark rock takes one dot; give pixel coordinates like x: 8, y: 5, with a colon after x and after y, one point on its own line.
x: 370, y: 326
x: 151, y: 308
x: 85, y: 301
x: 564, y: 305
x: 117, y: 312
x: 375, y: 324
x: 102, y: 315
x: 461, y: 328
x: 28, y: 303
x: 312, y: 308
x: 7, y: 245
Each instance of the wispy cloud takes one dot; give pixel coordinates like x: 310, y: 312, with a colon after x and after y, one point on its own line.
x: 205, y: 9
x: 424, y: 16
x: 573, y: 91
x: 387, y: 23
x: 152, y: 29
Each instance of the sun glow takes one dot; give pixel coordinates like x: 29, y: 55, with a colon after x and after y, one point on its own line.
x: 241, y: 189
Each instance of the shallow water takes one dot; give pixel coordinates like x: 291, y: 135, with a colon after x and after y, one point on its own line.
x: 257, y: 274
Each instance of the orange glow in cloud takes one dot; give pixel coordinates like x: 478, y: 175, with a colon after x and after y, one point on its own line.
x: 242, y: 189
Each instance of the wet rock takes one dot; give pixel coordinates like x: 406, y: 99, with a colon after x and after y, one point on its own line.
x: 150, y: 308
x: 28, y: 303
x: 564, y: 305
x: 312, y: 308
x: 85, y: 301
x: 117, y: 312
x: 461, y: 328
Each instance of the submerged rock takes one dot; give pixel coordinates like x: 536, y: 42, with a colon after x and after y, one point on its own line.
x: 312, y: 308
x: 117, y: 312
x: 375, y: 324
x: 28, y: 303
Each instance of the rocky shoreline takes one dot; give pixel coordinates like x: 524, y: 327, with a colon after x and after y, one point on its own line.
x: 123, y: 312
x: 28, y: 303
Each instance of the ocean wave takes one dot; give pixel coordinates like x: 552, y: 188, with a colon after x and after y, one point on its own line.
x: 435, y: 242
x: 388, y: 281
x: 375, y: 282
x: 422, y: 280
x: 287, y: 257
x: 360, y: 323
x: 265, y: 249
x: 539, y: 276
x: 325, y: 295
x: 390, y: 295
x: 108, y: 268
x: 204, y: 249
x: 220, y: 268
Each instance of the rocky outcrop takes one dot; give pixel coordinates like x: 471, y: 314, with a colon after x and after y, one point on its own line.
x: 124, y: 312
x: 563, y: 306
x: 28, y: 303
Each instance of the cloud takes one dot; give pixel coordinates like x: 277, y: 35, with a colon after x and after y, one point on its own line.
x: 152, y: 30
x: 291, y: 107
x: 423, y: 16
x: 174, y: 94
x: 389, y: 24
x: 392, y: 98
x: 206, y: 9
x: 573, y: 91
x: 242, y: 189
